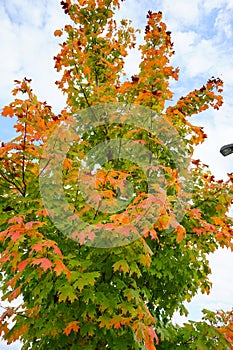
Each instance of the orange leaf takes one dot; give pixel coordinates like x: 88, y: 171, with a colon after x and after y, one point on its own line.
x: 218, y: 221
x: 14, y: 294
x: 8, y: 111
x: 18, y: 332
x: 42, y: 212
x: 60, y: 267
x: 153, y: 234
x: 180, y: 233
x: 72, y: 326
x: 58, y: 32
x: 67, y: 164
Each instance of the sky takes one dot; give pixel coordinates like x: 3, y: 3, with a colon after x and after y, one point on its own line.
x: 202, y: 32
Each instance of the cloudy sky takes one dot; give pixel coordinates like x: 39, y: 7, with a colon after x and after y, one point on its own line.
x: 202, y: 32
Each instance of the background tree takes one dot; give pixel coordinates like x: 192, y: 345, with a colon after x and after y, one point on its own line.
x: 80, y: 296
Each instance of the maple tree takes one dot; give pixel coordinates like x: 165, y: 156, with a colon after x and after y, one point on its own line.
x: 75, y: 293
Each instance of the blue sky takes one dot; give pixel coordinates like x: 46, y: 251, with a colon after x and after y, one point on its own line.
x: 202, y: 32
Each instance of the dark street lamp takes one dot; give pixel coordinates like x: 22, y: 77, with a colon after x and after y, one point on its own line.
x: 227, y: 149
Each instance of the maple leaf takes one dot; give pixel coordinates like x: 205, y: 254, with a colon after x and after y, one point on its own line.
x: 116, y: 321
x: 42, y: 212
x: 34, y: 224
x: 153, y: 233
x: 8, y: 111
x: 58, y: 32
x: 37, y: 247
x: 145, y: 259
x: 60, y: 268
x: 22, y: 264
x: 67, y: 164
x: 121, y: 265
x: 153, y: 335
x: 57, y: 250
x: 105, y: 321
x: 13, y: 295
x: 198, y: 231
x: 19, y: 220
x: 18, y: 332
x: 84, y: 279
x: 72, y: 326
x: 181, y: 231
x: 44, y: 262
x: 15, y: 232
x: 67, y: 292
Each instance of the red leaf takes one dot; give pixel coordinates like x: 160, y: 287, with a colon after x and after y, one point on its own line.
x: 153, y: 334
x: 23, y: 264
x: 57, y: 251
x: 34, y: 224
x: 143, y: 142
x: 15, y: 233
x: 197, y: 230
x: 37, y: 247
x: 44, y: 262
x: 15, y: 219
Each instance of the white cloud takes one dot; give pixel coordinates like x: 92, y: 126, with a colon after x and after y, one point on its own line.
x: 223, y: 23
x: 27, y: 13
x: 182, y: 13
x: 221, y: 264
x: 28, y: 47
x: 220, y: 297
x: 190, y: 53
x: 199, y: 62
x: 211, y: 5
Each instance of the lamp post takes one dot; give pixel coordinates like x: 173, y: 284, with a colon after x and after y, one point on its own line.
x: 226, y: 150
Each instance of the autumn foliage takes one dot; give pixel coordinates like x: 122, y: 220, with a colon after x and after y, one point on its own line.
x: 77, y: 296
